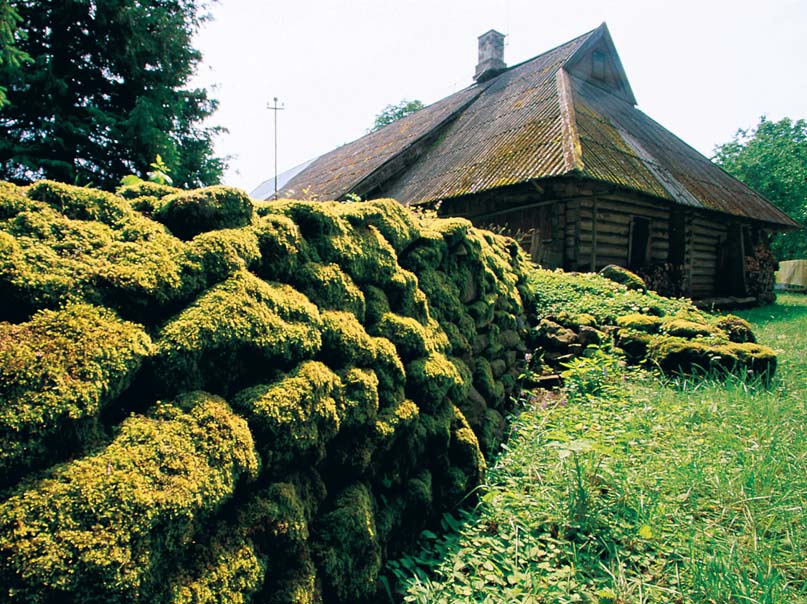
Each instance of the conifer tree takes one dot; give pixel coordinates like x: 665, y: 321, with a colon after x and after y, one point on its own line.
x: 104, y: 92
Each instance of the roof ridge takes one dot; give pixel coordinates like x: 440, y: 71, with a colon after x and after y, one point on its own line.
x: 572, y: 149
x: 550, y: 51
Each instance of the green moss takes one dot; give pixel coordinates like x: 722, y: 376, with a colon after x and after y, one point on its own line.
x: 390, y: 371
x: 234, y: 331
x: 453, y: 230
x: 640, y: 322
x: 738, y: 330
x: 146, y: 188
x: 346, y: 547
x: 623, y: 276
x: 466, y: 463
x: 279, y: 518
x: 329, y: 287
x: 377, y: 304
x: 426, y: 253
x: 634, y: 343
x: 433, y: 378
x: 106, y: 527
x: 344, y: 340
x: 282, y: 247
x: 412, y: 339
x: 56, y: 374
x: 575, y: 320
x: 683, y: 328
x: 492, y: 432
x: 481, y: 312
x: 359, y: 398
x: 484, y: 381
x: 81, y: 203
x: 188, y: 213
x: 404, y: 296
x: 391, y: 219
x: 295, y: 417
x: 223, y: 253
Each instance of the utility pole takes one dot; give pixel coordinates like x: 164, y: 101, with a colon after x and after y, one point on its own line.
x: 275, y: 108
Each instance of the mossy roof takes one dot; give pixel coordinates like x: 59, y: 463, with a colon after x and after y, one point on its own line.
x: 547, y: 117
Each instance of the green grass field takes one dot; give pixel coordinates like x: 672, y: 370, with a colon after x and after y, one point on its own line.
x: 630, y: 488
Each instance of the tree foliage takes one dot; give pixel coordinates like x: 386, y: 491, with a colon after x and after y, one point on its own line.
x: 105, y: 92
x: 772, y: 159
x: 10, y: 55
x: 392, y: 113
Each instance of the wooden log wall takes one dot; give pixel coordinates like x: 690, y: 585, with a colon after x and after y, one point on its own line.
x: 706, y: 235
x: 601, y: 231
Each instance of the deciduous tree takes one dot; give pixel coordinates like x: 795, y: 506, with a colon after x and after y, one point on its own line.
x: 392, y: 113
x: 772, y: 159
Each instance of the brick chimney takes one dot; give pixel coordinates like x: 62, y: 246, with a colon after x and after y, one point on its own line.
x: 491, y: 56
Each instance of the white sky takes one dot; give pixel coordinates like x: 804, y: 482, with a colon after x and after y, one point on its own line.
x: 701, y: 68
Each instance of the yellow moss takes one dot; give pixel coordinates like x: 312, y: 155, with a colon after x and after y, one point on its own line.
x: 108, y: 526
x: 392, y: 220
x: 433, y: 378
x: 188, y: 213
x: 412, y: 339
x: 12, y: 200
x: 344, y: 340
x: 56, y: 374
x: 233, y: 331
x: 684, y: 328
x: 281, y: 245
x: 81, y: 203
x: 640, y: 322
x: 738, y: 330
x: 359, y: 398
x: 426, y: 253
x: 390, y: 372
x: 329, y: 287
x: 295, y: 417
x: 223, y: 253
x: 395, y: 419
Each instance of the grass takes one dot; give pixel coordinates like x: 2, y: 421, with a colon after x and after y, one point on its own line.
x: 631, y: 489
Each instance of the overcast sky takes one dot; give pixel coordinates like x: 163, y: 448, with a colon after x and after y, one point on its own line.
x: 701, y: 68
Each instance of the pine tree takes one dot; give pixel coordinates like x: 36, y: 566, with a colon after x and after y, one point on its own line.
x: 105, y: 92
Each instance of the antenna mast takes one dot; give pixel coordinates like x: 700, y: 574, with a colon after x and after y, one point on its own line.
x: 275, y: 107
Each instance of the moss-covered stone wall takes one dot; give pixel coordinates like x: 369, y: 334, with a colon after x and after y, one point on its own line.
x: 209, y: 399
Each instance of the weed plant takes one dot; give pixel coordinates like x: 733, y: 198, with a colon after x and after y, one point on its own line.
x: 630, y: 488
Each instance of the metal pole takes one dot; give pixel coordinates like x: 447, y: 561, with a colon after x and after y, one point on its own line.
x: 275, y: 108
